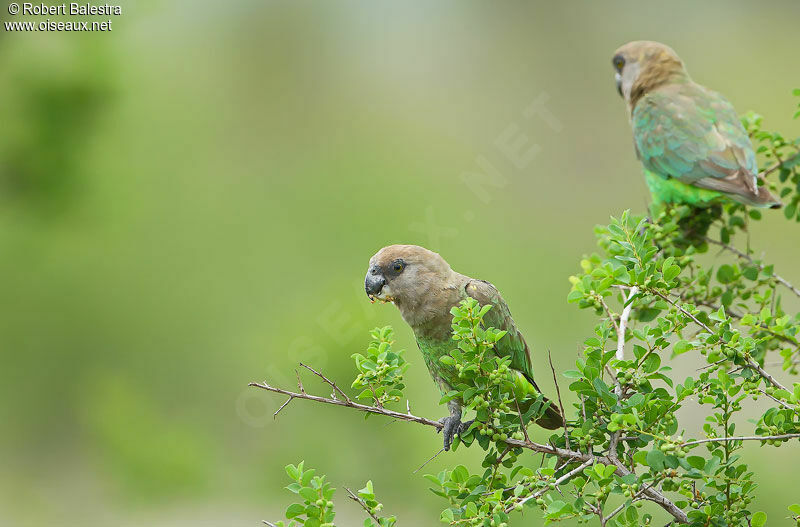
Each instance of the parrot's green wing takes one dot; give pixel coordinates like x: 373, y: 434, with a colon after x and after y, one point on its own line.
x: 513, y: 344
x: 687, y: 132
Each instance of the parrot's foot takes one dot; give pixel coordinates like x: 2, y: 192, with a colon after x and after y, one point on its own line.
x: 452, y: 426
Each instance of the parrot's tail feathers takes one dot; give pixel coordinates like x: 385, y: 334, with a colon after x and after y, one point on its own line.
x: 743, y: 187
x: 764, y: 198
x: 552, y: 418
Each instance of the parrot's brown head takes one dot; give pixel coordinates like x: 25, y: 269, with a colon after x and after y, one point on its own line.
x: 642, y: 66
x: 405, y: 274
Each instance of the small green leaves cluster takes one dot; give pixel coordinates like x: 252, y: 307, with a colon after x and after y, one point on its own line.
x: 373, y: 507
x: 316, y: 509
x: 380, y: 369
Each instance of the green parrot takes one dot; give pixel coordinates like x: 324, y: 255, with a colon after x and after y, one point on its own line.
x: 424, y: 288
x: 693, y: 147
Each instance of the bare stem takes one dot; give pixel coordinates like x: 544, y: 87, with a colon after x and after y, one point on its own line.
x: 560, y: 403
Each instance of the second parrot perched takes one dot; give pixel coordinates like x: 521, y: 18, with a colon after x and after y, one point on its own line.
x: 424, y: 288
x: 693, y: 147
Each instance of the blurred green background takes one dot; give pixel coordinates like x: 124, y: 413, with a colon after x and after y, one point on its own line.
x: 189, y: 202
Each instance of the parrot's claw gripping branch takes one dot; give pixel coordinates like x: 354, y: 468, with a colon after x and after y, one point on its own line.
x: 567, y: 455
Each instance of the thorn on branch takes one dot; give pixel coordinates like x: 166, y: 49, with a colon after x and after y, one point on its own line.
x: 336, y: 389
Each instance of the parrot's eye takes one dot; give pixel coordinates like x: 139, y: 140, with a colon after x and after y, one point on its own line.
x: 618, y: 62
x: 398, y: 266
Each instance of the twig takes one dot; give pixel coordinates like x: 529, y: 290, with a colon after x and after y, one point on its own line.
x: 275, y: 415
x: 333, y: 384
x: 521, y: 421
x: 776, y: 166
x: 750, y: 362
x: 400, y: 416
x: 428, y: 460
x: 269, y: 524
x: 560, y: 403
x: 760, y: 266
x: 557, y: 482
x: 364, y: 506
x: 608, y: 312
x: 742, y: 438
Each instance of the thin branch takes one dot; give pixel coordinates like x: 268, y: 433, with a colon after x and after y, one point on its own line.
x: 750, y: 362
x: 333, y: 384
x: 522, y: 421
x: 608, y: 312
x: 560, y: 403
x: 429, y: 460
x: 400, y: 416
x: 562, y: 453
x: 742, y: 438
x: 363, y: 504
x: 275, y: 415
x: 557, y: 482
x: 776, y: 166
x: 651, y: 494
x: 760, y: 266
x: 778, y: 401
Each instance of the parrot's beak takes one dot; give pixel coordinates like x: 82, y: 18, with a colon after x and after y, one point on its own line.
x: 618, y: 78
x: 374, y: 284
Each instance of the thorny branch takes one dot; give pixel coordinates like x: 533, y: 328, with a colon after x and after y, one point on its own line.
x: 567, y: 455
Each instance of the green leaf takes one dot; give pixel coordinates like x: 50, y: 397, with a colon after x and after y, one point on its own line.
x: 789, y: 210
x: 671, y: 272
x: 447, y: 516
x: 651, y: 363
x: 309, y: 494
x: 795, y: 508
x: 295, y: 509
x: 758, y: 519
x: 291, y: 471
x: 601, y: 388
x: 655, y: 460
x: 682, y: 346
x: 460, y: 474
x: 751, y: 273
x: 696, y: 462
x: 726, y: 274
